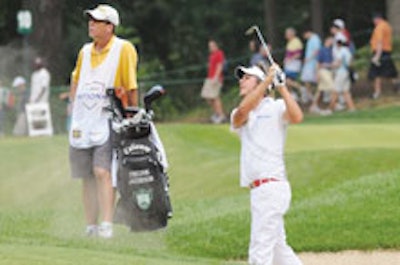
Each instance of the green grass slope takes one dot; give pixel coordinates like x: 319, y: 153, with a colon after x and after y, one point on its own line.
x: 345, y: 179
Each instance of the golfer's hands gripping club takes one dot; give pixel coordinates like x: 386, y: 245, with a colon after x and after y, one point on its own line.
x: 279, y: 76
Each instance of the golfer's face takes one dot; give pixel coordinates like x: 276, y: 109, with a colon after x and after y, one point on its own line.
x: 247, y: 83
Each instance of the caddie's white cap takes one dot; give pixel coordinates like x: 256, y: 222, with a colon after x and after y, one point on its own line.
x: 339, y: 23
x: 252, y: 70
x: 19, y: 80
x: 104, y: 13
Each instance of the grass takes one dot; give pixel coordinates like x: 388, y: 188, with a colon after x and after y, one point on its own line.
x: 345, y: 178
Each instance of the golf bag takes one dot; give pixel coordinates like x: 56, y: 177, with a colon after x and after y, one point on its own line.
x: 142, y: 180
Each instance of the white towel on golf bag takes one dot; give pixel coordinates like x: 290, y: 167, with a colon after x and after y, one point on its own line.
x: 155, y: 138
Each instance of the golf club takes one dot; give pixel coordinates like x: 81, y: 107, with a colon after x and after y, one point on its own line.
x: 255, y: 28
x: 261, y: 38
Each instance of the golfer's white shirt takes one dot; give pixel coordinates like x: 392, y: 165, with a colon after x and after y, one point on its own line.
x: 263, y: 139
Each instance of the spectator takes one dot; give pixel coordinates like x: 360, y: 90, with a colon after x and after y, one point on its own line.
x: 106, y: 62
x: 338, y: 30
x: 213, y: 83
x: 292, y: 61
x: 309, y: 71
x: 382, y: 65
x: 40, y: 82
x: 20, y: 127
x: 324, y: 75
x: 338, y: 25
x: 341, y: 60
x: 7, y: 101
x: 259, y: 55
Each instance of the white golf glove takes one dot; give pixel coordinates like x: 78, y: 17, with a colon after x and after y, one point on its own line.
x: 279, y: 78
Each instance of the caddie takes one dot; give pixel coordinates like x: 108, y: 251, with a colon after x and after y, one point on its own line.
x: 261, y: 122
x: 106, y: 62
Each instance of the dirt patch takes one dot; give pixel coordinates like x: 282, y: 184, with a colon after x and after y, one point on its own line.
x: 352, y: 258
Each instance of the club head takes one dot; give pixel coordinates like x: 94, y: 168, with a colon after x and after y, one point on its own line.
x: 251, y: 30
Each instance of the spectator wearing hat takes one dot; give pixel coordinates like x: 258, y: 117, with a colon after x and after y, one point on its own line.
x: 341, y: 60
x: 108, y: 61
x: 20, y: 126
x: 382, y: 65
x: 341, y: 26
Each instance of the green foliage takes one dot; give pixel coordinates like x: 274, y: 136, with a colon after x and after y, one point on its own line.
x: 344, y: 179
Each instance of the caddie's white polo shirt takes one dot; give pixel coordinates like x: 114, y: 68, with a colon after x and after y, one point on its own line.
x: 263, y: 139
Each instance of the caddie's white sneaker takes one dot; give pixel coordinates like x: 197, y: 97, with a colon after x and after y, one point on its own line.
x: 91, y: 230
x: 105, y: 230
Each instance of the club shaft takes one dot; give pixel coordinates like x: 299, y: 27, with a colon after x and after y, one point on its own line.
x: 261, y: 38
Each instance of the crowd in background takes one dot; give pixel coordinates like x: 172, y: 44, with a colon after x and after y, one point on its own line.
x: 16, y: 98
x: 320, y: 73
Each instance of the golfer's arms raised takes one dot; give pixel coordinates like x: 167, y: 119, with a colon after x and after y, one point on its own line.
x: 293, y: 112
x: 250, y: 101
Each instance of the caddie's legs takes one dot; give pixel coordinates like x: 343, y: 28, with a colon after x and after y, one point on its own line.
x: 90, y: 202
x: 105, y: 194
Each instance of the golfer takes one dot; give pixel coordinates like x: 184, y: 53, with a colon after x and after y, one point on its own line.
x: 261, y: 122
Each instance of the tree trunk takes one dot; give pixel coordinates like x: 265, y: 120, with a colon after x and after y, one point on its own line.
x: 270, y: 25
x: 393, y: 11
x: 47, y: 36
x: 317, y: 17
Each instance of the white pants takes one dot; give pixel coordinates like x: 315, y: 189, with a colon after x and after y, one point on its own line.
x: 269, y: 203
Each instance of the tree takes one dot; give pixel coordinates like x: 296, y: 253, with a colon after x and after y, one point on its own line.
x: 47, y: 35
x: 270, y: 21
x: 393, y: 11
x: 316, y: 17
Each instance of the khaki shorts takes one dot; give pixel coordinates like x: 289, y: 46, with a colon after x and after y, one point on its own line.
x: 83, y: 161
x: 325, y: 80
x: 211, y: 89
x: 342, y: 81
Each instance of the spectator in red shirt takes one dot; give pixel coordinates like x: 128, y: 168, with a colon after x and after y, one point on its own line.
x: 214, y: 81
